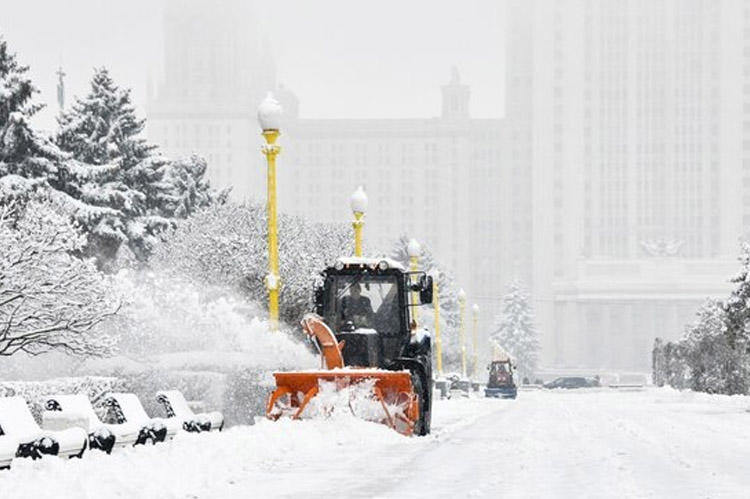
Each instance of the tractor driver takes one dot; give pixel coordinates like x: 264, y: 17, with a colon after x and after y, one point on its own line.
x: 500, y: 373
x: 357, y: 308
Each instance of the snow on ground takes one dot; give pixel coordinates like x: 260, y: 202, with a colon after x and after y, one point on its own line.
x: 593, y: 443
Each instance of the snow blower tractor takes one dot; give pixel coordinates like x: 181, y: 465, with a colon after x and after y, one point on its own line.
x: 365, y: 330
x: 500, y: 383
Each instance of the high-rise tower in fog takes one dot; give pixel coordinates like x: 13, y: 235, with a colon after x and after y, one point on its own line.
x: 624, y: 126
x: 216, y: 70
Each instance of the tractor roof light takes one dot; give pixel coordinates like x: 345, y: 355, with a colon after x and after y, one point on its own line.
x: 383, y: 265
x: 339, y: 265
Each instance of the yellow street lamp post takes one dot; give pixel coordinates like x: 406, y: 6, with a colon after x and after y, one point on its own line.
x: 475, y: 317
x: 436, y: 307
x: 358, y: 204
x: 462, y: 327
x: 269, y: 118
x: 413, y: 249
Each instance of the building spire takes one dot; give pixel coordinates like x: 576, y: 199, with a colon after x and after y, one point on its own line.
x: 455, y: 97
x: 455, y: 77
x: 60, y: 88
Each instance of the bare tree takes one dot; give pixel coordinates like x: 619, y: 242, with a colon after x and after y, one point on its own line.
x: 49, y: 299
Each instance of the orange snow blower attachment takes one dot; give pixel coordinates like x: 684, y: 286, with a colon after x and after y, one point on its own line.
x: 392, y: 396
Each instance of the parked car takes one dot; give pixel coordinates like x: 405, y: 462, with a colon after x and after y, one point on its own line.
x: 570, y: 382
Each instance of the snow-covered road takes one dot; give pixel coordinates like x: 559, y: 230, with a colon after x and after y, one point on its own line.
x: 654, y: 443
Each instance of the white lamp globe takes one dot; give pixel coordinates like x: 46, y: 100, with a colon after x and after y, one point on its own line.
x: 269, y: 114
x: 358, y: 200
x: 413, y: 249
x: 475, y: 308
x: 461, y: 294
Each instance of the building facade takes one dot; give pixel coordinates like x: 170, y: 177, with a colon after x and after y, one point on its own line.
x: 625, y: 132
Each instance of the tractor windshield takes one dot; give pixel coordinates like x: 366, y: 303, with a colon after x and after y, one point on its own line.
x: 365, y: 302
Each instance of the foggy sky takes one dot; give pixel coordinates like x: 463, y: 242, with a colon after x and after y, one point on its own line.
x: 343, y: 59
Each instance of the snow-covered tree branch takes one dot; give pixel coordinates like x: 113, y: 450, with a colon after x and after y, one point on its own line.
x: 49, y: 299
x: 225, y: 245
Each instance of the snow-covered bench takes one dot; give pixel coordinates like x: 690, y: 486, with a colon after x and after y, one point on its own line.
x: 128, y: 409
x: 18, y: 423
x: 101, y: 435
x: 177, y: 407
x: 8, y: 449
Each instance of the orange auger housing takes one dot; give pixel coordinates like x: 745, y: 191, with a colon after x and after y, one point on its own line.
x: 392, y: 389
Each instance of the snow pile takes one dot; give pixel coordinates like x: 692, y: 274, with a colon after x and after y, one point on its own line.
x: 357, y: 399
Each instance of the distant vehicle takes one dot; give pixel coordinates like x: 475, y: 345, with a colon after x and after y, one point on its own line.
x: 570, y: 382
x: 500, y: 383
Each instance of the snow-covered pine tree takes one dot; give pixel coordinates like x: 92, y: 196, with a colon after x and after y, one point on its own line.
x: 102, y: 127
x: 28, y: 160
x: 187, y: 190
x: 515, y: 332
x: 102, y: 132
x: 713, y: 365
x: 122, y: 172
x: 737, y: 307
x: 736, y: 320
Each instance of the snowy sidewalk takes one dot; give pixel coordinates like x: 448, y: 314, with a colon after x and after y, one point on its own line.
x: 656, y: 443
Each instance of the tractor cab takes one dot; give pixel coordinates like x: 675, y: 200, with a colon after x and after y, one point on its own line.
x: 370, y: 305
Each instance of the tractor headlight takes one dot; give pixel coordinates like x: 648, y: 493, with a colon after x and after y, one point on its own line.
x: 383, y: 265
x: 339, y: 265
